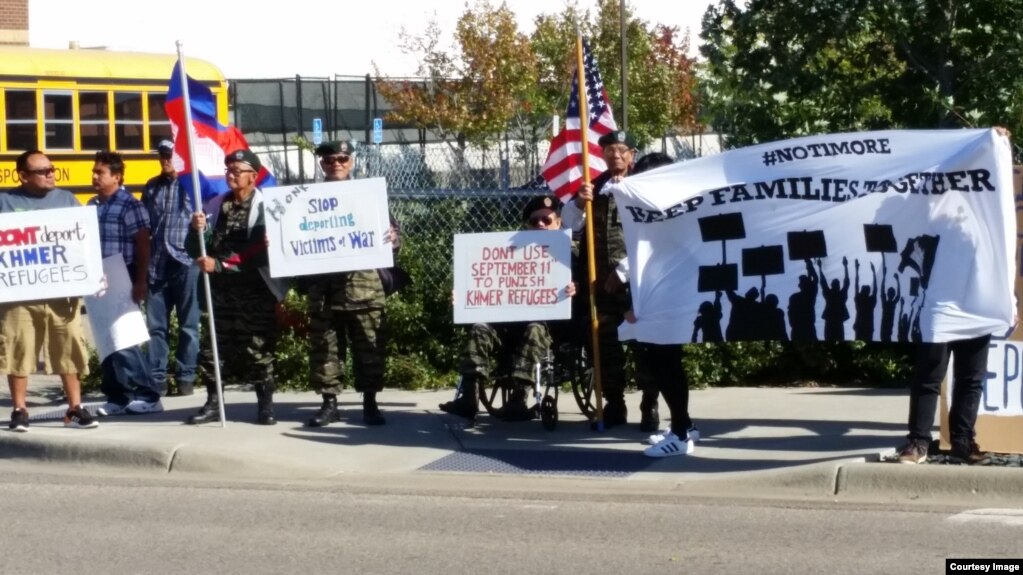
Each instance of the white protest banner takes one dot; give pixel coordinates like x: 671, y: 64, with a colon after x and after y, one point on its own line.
x: 512, y: 276
x: 115, y: 319
x: 47, y: 254
x: 873, y: 236
x: 327, y: 227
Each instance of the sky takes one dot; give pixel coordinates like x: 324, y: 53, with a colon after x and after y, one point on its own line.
x: 281, y: 39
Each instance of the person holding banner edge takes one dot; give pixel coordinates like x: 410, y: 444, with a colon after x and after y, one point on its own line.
x: 525, y: 343
x: 612, y: 297
x: 27, y: 325
x: 244, y: 296
x: 347, y: 309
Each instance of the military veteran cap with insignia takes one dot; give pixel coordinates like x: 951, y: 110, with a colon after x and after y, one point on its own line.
x: 165, y: 148
x: 540, y: 203
x: 617, y: 137
x: 332, y: 148
x: 244, y: 156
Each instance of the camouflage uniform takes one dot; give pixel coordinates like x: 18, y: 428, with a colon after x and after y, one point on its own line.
x: 243, y: 303
x: 525, y: 345
x: 346, y: 308
x: 609, y: 249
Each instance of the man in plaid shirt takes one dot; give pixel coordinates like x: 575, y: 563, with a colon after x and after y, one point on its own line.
x: 124, y: 229
x: 173, y: 276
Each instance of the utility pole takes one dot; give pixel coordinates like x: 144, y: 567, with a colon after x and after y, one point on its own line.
x: 625, y: 65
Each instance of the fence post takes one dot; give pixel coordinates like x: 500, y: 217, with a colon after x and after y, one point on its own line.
x: 301, y: 127
x: 369, y: 117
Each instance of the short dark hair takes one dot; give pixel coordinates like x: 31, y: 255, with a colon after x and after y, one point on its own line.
x: 21, y: 164
x: 651, y: 161
x: 111, y: 160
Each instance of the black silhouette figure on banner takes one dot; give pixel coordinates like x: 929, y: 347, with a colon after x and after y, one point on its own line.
x: 773, y: 320
x: 803, y: 306
x: 865, y: 301
x: 904, y: 321
x: 708, y: 322
x: 889, y: 299
x: 743, y: 319
x: 835, y: 298
x: 918, y: 255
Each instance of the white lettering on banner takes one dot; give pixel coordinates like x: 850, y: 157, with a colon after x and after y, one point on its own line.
x: 884, y: 236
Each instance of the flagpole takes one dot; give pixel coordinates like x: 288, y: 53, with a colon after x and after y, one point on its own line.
x: 197, y: 202
x: 584, y: 124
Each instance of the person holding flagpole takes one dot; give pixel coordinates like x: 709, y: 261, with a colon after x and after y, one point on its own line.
x: 244, y: 296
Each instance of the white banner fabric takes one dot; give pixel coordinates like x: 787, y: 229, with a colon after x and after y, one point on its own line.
x: 116, y: 320
x: 46, y: 254
x: 904, y: 235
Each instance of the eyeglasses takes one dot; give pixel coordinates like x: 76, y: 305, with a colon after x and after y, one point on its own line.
x: 238, y: 173
x: 42, y: 171
x: 547, y: 220
x: 331, y: 160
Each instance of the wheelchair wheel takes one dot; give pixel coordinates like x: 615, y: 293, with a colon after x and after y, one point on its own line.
x: 549, y: 413
x: 578, y: 373
x: 493, y: 395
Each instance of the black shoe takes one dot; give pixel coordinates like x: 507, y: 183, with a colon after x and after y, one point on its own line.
x: 615, y: 413
x: 967, y: 452
x: 265, y: 415
x: 327, y: 414
x: 464, y: 406
x: 650, y: 420
x: 208, y: 413
x: 370, y: 411
x: 19, y: 421
x: 516, y: 409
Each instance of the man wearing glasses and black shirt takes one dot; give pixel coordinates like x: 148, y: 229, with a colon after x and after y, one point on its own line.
x: 346, y: 309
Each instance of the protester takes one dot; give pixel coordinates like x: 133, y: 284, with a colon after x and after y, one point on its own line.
x: 27, y: 325
x: 243, y: 293
x: 124, y: 229
x: 612, y: 295
x: 173, y: 277
x: 525, y: 343
x: 347, y: 309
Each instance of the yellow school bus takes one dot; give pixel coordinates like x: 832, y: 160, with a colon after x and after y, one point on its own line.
x: 72, y: 103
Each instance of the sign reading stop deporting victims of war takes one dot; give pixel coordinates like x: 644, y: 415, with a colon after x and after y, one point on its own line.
x: 512, y: 276
x: 46, y: 254
x: 328, y: 227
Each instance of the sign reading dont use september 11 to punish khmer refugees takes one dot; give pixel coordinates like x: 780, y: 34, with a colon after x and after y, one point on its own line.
x: 327, y: 227
x: 48, y: 254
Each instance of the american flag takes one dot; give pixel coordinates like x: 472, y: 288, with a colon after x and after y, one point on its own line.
x: 563, y: 170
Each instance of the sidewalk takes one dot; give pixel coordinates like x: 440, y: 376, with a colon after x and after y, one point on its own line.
x: 800, y: 441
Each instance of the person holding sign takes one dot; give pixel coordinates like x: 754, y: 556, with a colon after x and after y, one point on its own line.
x: 124, y: 229
x: 244, y: 296
x: 612, y: 294
x: 525, y: 342
x: 347, y: 309
x: 27, y: 325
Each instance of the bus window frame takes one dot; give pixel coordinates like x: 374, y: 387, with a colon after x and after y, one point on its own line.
x: 45, y: 122
x: 34, y: 92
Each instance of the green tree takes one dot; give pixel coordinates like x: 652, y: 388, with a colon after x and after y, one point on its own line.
x: 877, y: 64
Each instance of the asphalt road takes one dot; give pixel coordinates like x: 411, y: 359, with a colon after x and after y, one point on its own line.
x: 81, y: 521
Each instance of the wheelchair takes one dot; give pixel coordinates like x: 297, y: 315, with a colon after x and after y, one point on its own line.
x: 564, y: 364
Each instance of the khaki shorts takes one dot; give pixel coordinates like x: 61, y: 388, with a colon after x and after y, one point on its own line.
x: 26, y: 326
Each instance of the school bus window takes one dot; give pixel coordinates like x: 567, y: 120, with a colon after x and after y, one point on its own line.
x: 58, y: 121
x: 94, y: 120
x: 20, y: 106
x: 128, y: 121
x: 159, y: 126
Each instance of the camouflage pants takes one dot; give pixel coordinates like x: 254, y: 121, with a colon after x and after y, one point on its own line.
x: 246, y: 325
x: 331, y: 331
x: 612, y: 353
x: 523, y: 345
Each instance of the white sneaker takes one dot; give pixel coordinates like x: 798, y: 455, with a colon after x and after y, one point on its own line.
x: 693, y: 432
x: 139, y: 407
x: 110, y: 408
x: 670, y: 446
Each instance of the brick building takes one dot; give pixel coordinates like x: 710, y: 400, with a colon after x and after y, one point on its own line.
x: 14, y: 22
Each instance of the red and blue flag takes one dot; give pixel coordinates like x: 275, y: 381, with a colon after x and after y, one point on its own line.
x: 211, y: 140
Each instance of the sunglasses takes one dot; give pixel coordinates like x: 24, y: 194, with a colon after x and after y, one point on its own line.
x: 42, y: 171
x: 547, y: 220
x: 331, y: 160
x: 238, y: 173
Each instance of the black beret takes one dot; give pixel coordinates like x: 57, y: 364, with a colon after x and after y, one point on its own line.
x: 540, y: 203
x: 244, y: 156
x: 617, y: 137
x: 332, y: 148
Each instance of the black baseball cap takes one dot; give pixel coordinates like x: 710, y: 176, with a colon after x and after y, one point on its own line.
x: 540, y: 203
x: 244, y: 156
